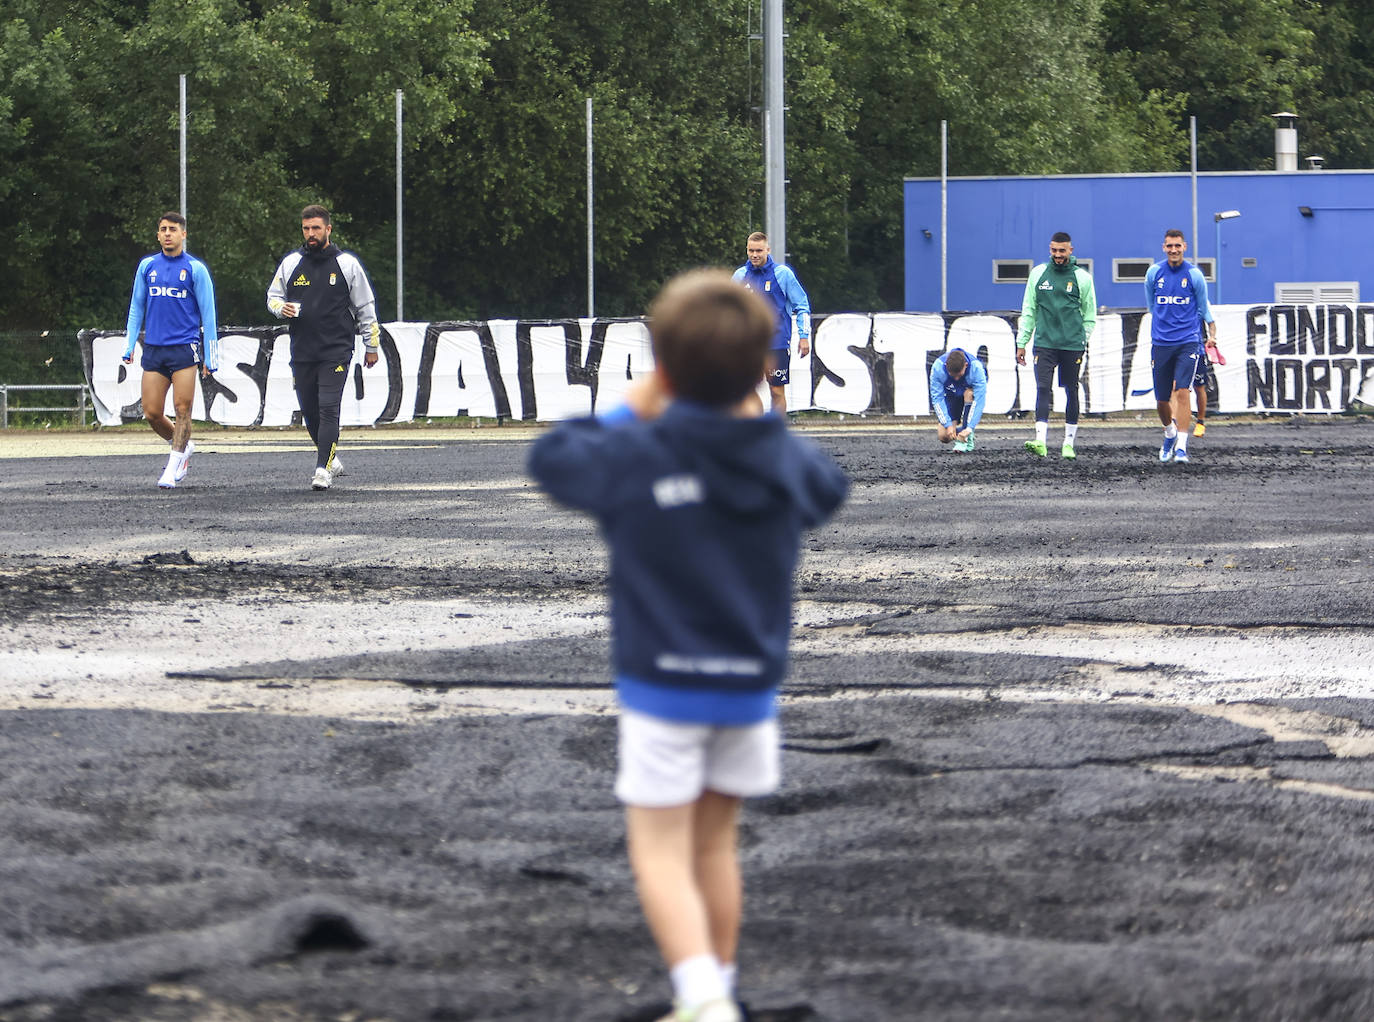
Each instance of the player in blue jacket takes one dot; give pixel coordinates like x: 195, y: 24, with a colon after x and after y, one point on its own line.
x: 1176, y: 295
x: 958, y: 392
x: 785, y: 295
x: 173, y: 303
x: 703, y: 509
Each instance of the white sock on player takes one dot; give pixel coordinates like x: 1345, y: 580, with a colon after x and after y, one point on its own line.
x: 728, y: 973
x: 697, y: 980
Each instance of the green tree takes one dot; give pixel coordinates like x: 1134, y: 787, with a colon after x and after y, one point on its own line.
x: 1231, y: 63
x: 1336, y: 108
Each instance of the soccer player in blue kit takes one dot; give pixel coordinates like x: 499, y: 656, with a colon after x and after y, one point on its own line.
x: 173, y: 302
x: 783, y: 291
x: 1176, y: 295
x: 958, y: 392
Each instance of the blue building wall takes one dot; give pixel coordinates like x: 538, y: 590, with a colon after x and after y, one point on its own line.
x: 1116, y: 216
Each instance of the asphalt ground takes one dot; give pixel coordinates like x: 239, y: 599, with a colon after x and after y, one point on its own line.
x: 1063, y: 740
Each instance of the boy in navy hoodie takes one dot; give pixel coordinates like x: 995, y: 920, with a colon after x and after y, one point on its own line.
x: 703, y: 510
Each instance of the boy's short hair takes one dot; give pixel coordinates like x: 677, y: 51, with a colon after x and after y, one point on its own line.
x: 710, y: 336
x: 312, y: 211
x: 955, y: 361
x: 174, y: 217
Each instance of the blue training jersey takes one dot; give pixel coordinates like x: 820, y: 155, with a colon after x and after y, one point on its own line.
x: 173, y: 302
x: 1177, y: 300
x: 941, y: 387
x: 781, y: 288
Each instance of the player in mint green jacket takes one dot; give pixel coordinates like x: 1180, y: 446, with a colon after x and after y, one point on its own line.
x: 1060, y: 311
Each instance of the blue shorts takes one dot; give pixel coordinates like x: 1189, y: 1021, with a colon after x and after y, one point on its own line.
x: 954, y: 404
x: 779, y: 362
x: 1204, y: 367
x: 1174, y: 367
x: 168, y: 358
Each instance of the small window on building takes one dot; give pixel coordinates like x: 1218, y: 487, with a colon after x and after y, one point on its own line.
x: 1249, y: 262
x: 1208, y: 268
x: 1130, y: 271
x: 1011, y: 271
x: 1086, y: 264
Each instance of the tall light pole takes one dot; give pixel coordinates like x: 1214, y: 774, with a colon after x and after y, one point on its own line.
x: 1225, y: 214
x: 181, y: 80
x: 400, y: 220
x: 591, y: 229
x: 775, y: 175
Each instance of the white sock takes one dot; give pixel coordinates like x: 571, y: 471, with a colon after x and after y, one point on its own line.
x: 1182, y: 444
x: 1070, y: 432
x: 174, y: 459
x: 1042, y: 432
x: 697, y: 980
x: 728, y: 973
x: 1171, y: 431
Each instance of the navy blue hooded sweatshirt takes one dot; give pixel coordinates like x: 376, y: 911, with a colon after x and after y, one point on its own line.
x: 703, y: 514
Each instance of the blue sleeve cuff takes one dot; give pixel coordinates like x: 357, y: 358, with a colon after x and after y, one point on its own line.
x: 617, y: 415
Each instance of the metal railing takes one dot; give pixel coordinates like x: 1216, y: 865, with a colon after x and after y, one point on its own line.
x: 83, y: 400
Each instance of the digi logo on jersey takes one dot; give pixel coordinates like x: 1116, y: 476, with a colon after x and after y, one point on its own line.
x: 1173, y: 300
x: 158, y: 291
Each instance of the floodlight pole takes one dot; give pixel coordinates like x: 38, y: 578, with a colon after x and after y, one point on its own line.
x: 944, y: 215
x: 1192, y: 132
x: 400, y: 226
x: 591, y: 234
x: 775, y: 176
x: 183, y: 143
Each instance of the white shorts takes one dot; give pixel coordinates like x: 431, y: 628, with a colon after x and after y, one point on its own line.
x: 664, y: 763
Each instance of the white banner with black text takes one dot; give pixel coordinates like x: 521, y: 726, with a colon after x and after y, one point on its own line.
x: 1289, y: 359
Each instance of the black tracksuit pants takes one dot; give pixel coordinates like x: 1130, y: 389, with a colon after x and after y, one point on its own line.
x: 319, y: 389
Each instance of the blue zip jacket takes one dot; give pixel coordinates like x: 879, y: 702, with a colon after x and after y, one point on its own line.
x: 1177, y: 300
x: 173, y: 301
x: 777, y: 283
x: 941, y: 387
x: 703, y: 513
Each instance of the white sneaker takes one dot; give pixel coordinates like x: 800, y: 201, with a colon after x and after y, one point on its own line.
x: 168, y: 481
x: 336, y: 466
x: 186, y: 460
x: 722, y: 1009
x: 322, y: 479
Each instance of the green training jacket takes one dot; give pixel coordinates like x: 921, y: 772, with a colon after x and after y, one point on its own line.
x: 1060, y: 307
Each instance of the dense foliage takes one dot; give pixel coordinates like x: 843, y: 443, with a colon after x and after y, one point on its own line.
x: 292, y: 101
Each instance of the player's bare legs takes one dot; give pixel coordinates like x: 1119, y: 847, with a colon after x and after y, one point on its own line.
x: 779, y: 399
x: 154, y: 394
x: 183, y: 396
x: 1182, y: 405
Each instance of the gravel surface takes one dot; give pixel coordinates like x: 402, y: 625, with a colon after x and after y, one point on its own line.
x: 1064, y: 740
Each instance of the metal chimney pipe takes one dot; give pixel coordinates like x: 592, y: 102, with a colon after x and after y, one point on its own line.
x: 1285, y: 140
